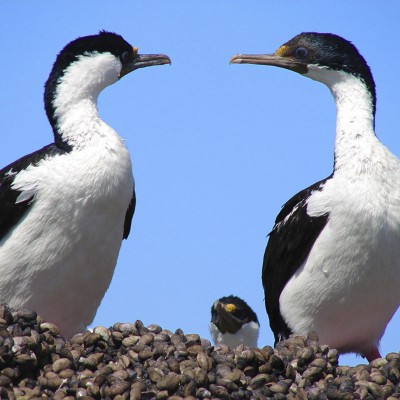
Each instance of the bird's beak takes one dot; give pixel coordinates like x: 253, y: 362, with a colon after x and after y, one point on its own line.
x: 144, y: 60
x: 226, y: 321
x: 270, y: 59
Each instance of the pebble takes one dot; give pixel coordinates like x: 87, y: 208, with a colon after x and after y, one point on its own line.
x: 131, y: 361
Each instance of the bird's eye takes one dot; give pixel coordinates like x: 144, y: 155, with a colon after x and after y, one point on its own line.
x: 301, y: 53
x: 125, y: 57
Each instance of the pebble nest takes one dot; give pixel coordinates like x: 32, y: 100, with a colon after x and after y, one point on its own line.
x: 131, y: 361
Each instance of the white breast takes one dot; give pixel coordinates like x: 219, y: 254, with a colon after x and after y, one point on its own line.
x: 348, y: 287
x: 247, y: 335
x: 60, y: 259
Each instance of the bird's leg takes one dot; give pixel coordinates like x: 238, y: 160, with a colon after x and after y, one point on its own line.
x: 372, y: 354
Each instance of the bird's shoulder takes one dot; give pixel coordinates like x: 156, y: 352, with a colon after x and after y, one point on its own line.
x: 12, y: 205
x: 297, y: 204
x: 289, y: 242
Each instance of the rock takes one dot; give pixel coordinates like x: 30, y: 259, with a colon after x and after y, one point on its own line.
x: 131, y: 361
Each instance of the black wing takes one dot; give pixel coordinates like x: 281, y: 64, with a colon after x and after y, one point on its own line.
x: 129, y: 214
x: 10, y: 211
x: 289, y: 243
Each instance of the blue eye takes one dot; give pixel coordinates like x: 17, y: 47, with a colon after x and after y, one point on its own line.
x: 125, y: 57
x: 301, y: 53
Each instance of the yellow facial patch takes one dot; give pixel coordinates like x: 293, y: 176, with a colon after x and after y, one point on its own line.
x: 230, y: 308
x: 281, y: 51
x: 135, y: 50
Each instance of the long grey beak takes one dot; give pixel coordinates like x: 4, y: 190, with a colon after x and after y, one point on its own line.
x: 270, y: 59
x: 144, y: 60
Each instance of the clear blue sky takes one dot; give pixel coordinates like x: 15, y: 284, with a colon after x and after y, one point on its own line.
x: 216, y: 148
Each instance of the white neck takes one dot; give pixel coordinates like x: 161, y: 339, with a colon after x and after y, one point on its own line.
x: 355, y: 136
x: 75, y: 100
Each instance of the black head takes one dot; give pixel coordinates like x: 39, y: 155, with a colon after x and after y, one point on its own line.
x: 102, y: 43
x: 230, y: 313
x: 323, y: 50
x: 328, y: 50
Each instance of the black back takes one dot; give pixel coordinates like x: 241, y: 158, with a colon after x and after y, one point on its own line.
x: 289, y: 243
x: 10, y: 211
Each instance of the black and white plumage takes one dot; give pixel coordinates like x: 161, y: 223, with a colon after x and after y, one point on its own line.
x: 233, y: 322
x: 66, y: 208
x: 332, y: 263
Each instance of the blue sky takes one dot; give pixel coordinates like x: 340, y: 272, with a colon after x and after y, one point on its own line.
x: 216, y: 148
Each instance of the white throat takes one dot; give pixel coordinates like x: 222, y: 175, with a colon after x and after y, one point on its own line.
x: 75, y: 100
x: 355, y: 136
